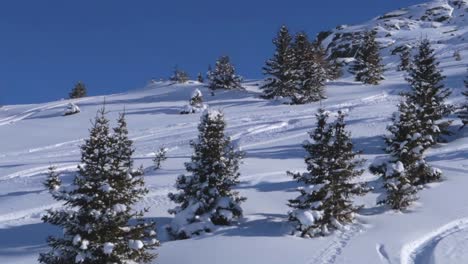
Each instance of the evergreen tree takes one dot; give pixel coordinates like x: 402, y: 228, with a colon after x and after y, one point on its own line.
x: 405, y: 60
x: 324, y: 203
x: 463, y: 115
x: 205, y: 196
x: 78, y: 91
x: 179, y: 76
x: 307, y: 75
x: 407, y: 168
x: 200, y: 78
x: 159, y: 157
x: 457, y: 55
x: 224, y: 75
x: 98, y: 204
x: 401, y: 191
x: 196, y: 104
x: 368, y: 66
x: 278, y: 67
x: 53, y: 181
x: 331, y: 69
x: 428, y: 93
x: 335, y: 70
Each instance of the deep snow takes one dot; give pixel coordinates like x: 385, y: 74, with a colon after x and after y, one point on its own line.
x: 434, y: 230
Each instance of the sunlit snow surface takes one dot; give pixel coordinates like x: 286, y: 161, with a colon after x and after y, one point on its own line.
x: 434, y: 230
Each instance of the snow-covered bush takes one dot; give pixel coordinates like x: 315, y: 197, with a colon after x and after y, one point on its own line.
x: 205, y: 196
x: 71, y: 109
x: 98, y: 204
x: 196, y: 104
x: 324, y: 203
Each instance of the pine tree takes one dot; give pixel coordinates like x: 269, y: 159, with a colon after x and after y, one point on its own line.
x: 401, y: 192
x: 224, y: 76
x: 463, y: 115
x: 407, y: 168
x: 98, y: 204
x: 159, y: 157
x: 278, y: 67
x: 405, y: 60
x: 205, y: 196
x: 331, y: 69
x: 335, y: 70
x: 457, y: 55
x: 368, y: 66
x: 428, y: 93
x: 307, y: 75
x: 179, y: 76
x: 196, y: 104
x: 78, y: 91
x: 53, y: 181
x: 200, y: 78
x: 324, y: 203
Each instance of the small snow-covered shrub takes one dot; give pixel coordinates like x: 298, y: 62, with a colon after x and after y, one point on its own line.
x: 71, y: 109
x: 196, y: 104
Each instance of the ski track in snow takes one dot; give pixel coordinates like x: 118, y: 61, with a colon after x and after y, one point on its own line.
x: 423, y: 248
x: 333, y: 250
x: 28, y: 113
x: 383, y: 255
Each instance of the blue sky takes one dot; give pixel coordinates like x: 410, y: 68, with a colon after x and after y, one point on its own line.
x: 116, y: 45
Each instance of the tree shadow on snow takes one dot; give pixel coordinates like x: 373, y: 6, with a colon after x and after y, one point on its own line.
x: 370, y: 145
x: 270, y: 225
x: 287, y: 186
x: 25, y: 239
x: 277, y: 152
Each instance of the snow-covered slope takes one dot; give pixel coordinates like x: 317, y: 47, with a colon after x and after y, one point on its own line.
x: 435, y: 230
x: 443, y: 21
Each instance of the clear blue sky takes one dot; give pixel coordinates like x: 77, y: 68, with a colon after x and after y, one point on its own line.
x: 117, y: 45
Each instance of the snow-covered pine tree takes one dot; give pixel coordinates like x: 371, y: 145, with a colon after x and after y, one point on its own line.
x: 205, y: 196
x: 78, y: 91
x: 278, y: 67
x: 200, y: 78
x: 179, y: 76
x: 368, y: 66
x: 406, y: 168
x: 196, y: 104
x: 324, y: 203
x: 405, y: 60
x: 401, y: 192
x: 463, y: 114
x: 159, y: 157
x: 224, y: 76
x: 307, y: 76
x: 457, y: 55
x: 428, y: 93
x: 53, y: 181
x: 335, y: 71
x: 98, y: 205
x: 330, y: 68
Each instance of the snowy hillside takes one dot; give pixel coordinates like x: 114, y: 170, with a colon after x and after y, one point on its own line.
x: 434, y: 230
